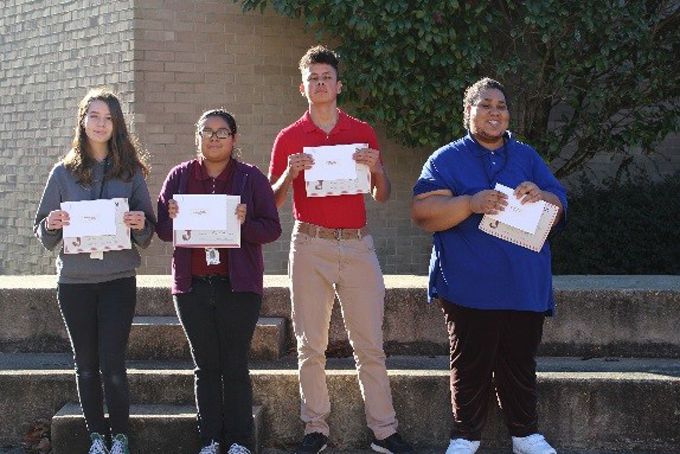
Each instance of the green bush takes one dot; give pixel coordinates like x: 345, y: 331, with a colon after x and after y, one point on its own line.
x: 624, y: 228
x: 610, y: 65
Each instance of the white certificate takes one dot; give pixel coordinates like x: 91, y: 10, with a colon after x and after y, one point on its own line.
x: 200, y: 212
x: 202, y: 237
x: 325, y: 188
x: 101, y: 243
x: 90, y: 218
x: 332, y: 162
x: 524, y: 217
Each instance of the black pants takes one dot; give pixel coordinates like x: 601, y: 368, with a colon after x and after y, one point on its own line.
x: 98, y: 319
x: 493, y: 347
x: 219, y: 325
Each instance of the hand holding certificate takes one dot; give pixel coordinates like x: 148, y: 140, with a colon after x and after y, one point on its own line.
x: 525, y: 225
x: 335, y: 172
x: 96, y: 226
x: 207, y: 220
x: 524, y: 217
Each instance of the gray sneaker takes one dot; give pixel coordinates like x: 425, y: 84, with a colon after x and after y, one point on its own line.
x: 212, y: 448
x: 238, y: 449
x: 120, y: 444
x: 98, y: 445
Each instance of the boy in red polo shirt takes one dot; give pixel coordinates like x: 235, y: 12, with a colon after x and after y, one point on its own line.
x: 332, y: 251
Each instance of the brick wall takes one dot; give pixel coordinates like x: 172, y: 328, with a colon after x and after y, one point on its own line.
x: 191, y: 56
x: 52, y: 52
x: 170, y: 60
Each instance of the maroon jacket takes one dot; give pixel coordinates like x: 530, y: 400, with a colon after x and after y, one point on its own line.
x: 261, y: 226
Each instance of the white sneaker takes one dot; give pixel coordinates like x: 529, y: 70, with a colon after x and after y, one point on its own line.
x: 238, y: 449
x: 531, y: 444
x: 212, y: 448
x: 462, y: 446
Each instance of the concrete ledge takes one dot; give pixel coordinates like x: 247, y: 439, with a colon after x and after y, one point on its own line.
x: 162, y: 338
x: 578, y: 410
x: 154, y: 429
x: 595, y: 315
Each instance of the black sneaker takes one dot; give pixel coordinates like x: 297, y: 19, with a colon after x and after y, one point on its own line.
x: 312, y: 443
x: 393, y: 444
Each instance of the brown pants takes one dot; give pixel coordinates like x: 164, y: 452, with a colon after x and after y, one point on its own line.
x: 492, y: 347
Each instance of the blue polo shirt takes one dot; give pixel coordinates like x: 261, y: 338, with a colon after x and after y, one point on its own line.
x: 469, y: 267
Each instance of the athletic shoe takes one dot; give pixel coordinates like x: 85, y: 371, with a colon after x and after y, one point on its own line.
x: 313, y: 443
x: 462, y: 446
x: 238, y: 449
x: 212, y: 448
x: 393, y: 444
x: 98, y: 445
x: 120, y: 444
x: 532, y: 444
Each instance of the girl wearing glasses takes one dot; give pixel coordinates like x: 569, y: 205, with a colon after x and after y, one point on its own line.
x: 97, y: 292
x: 218, y: 291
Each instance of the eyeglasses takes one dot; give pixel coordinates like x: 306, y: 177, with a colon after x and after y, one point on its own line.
x: 222, y: 133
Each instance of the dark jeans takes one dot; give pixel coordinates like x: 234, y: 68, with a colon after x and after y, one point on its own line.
x: 98, y: 319
x: 219, y: 325
x: 493, y: 347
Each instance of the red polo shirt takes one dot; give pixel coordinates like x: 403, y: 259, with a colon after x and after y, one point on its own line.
x: 345, y: 211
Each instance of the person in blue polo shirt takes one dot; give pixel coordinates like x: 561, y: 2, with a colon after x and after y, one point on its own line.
x: 494, y: 294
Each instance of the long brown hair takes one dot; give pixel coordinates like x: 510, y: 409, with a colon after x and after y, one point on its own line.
x: 125, y: 155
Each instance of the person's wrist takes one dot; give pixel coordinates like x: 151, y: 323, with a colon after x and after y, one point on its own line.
x: 47, y: 226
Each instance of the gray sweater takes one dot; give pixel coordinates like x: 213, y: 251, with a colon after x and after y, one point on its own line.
x: 80, y: 268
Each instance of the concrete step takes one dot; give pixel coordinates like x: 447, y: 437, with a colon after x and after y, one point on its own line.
x: 482, y: 450
x: 162, y: 338
x: 602, y: 405
x: 631, y: 316
x: 157, y: 429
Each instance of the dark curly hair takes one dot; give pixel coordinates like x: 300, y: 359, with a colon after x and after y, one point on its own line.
x: 320, y: 54
x: 473, y: 92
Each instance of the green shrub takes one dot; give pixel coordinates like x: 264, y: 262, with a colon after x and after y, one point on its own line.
x: 611, y: 65
x: 624, y: 228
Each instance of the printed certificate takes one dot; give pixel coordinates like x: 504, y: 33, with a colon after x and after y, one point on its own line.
x: 524, y: 217
x: 211, y: 222
x: 90, y: 217
x: 330, y: 182
x: 89, y: 243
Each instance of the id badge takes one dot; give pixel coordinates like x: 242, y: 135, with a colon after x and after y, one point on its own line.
x: 212, y: 256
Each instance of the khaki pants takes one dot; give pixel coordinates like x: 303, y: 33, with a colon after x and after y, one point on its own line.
x: 318, y: 268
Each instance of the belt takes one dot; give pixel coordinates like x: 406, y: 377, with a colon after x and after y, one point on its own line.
x: 330, y: 234
x: 210, y: 278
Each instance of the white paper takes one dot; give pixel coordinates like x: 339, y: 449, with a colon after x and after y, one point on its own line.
x: 201, y: 212
x: 326, y: 188
x: 97, y: 245
x: 227, y: 237
x: 90, y: 218
x: 332, y: 162
x: 524, y: 217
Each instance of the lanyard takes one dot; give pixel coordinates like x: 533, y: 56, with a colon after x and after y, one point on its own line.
x: 101, y: 188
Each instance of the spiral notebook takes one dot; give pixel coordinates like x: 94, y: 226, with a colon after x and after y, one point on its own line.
x: 519, y: 237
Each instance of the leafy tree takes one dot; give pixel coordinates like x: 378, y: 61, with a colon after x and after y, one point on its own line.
x: 607, y: 70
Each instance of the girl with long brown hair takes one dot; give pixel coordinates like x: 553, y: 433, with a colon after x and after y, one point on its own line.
x: 97, y: 292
